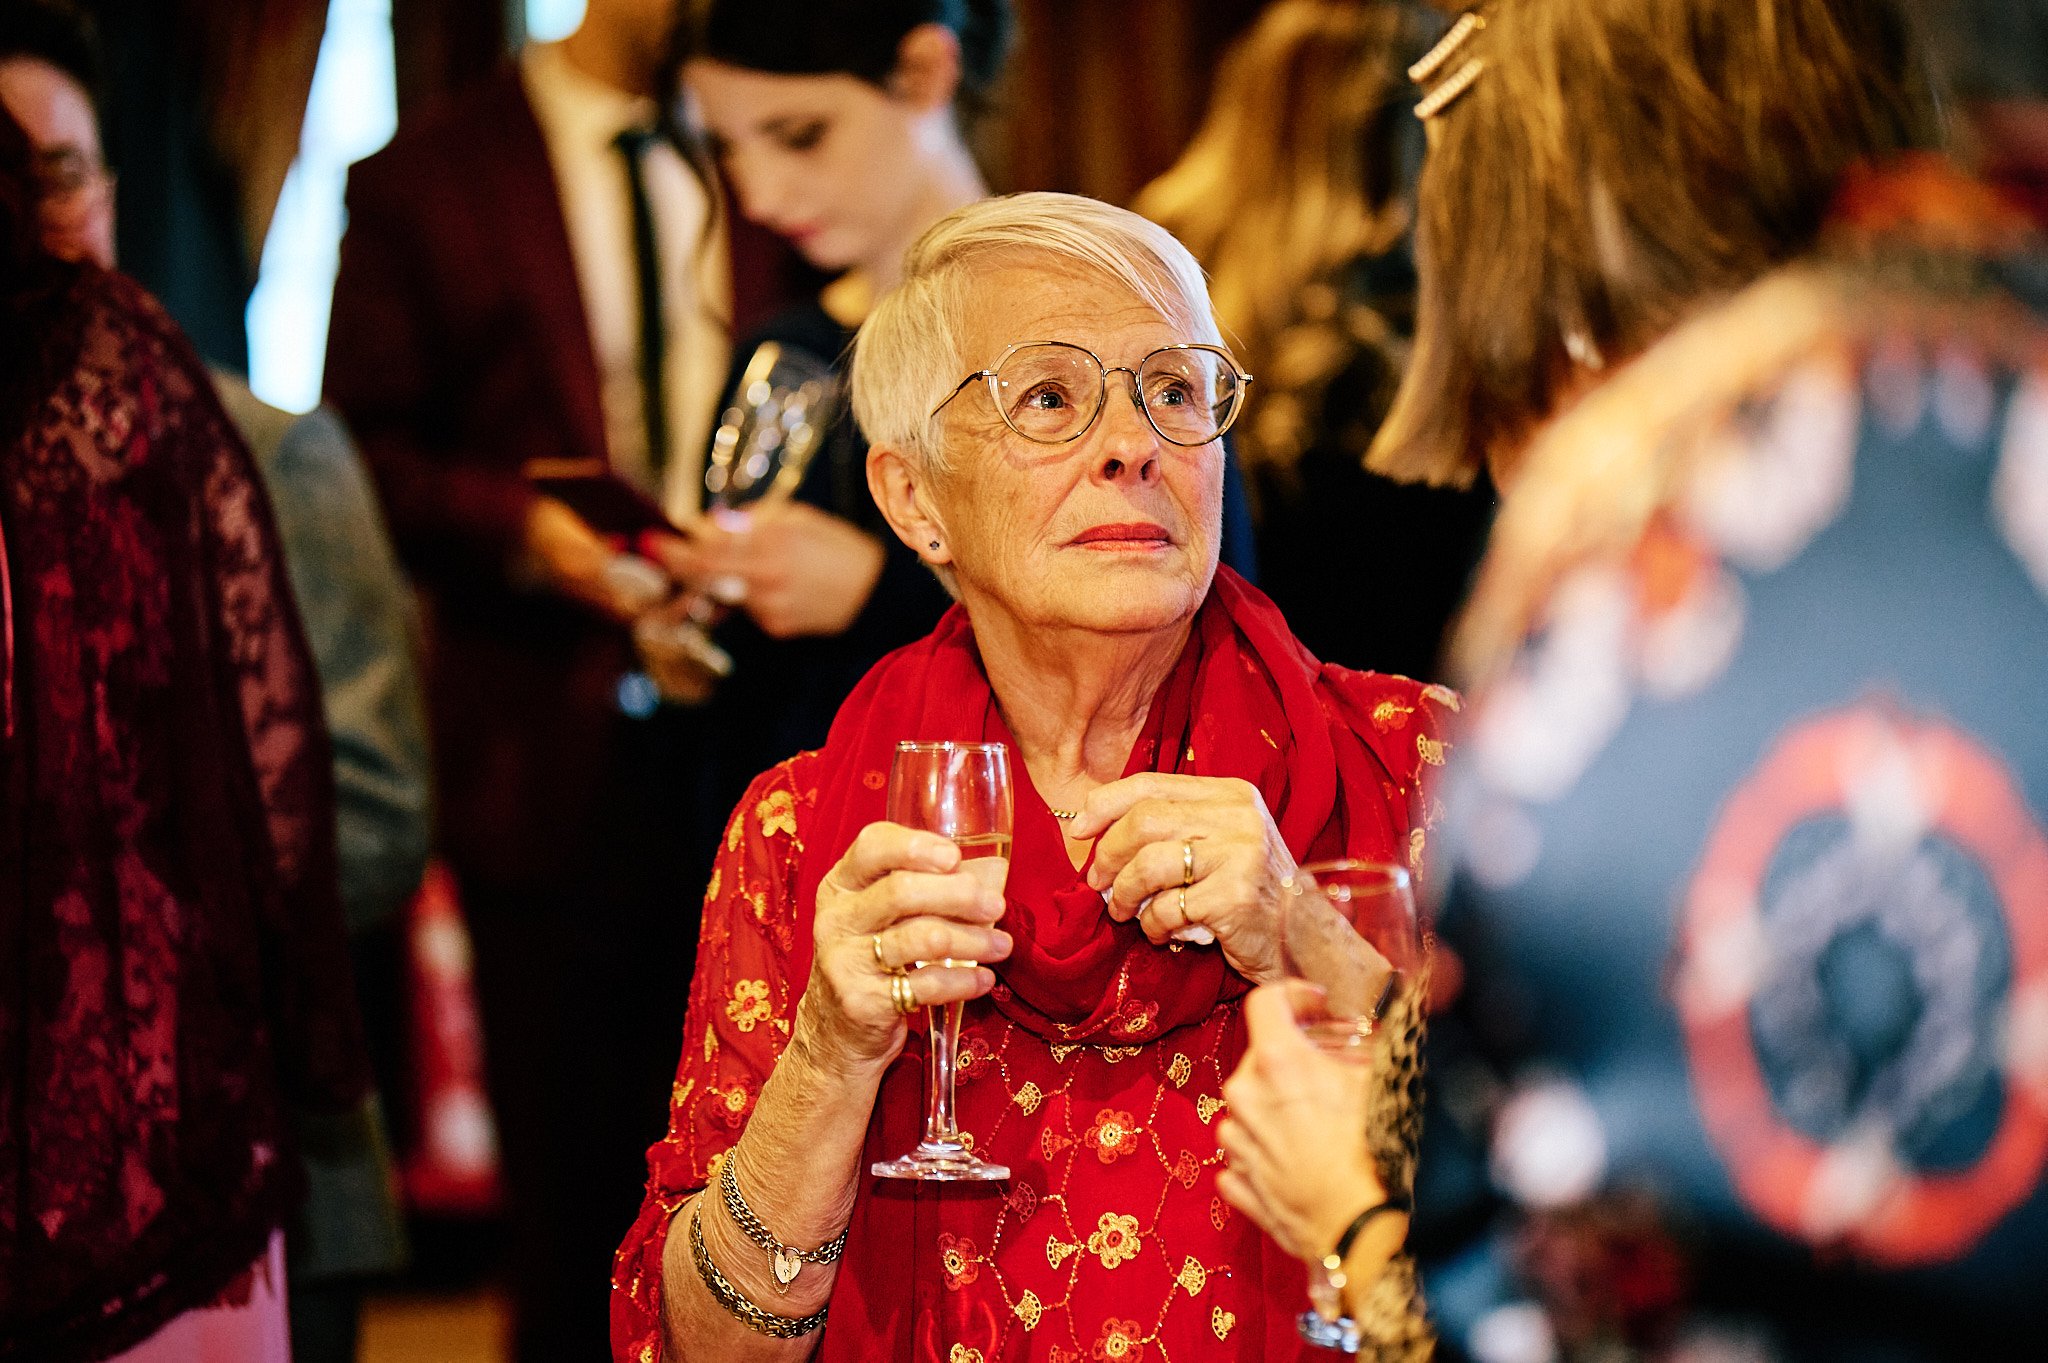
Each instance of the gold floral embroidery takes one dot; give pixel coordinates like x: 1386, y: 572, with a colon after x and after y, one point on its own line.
x: 962, y: 1354
x: 1181, y: 1070
x: 717, y: 874
x: 1060, y: 1053
x: 1222, y: 1322
x: 1115, y: 1239
x: 736, y: 1098
x: 1113, y: 1054
x: 1137, y: 1021
x: 1219, y: 1213
x: 710, y: 1044
x: 1114, y: 1135
x: 1193, y: 1277
x: 1057, y: 1251
x: 749, y: 1006
x: 1444, y: 696
x: 777, y: 813
x: 1028, y: 1098
x: 1431, y: 750
x: 1206, y: 1108
x: 1391, y: 714
x: 679, y: 1093
x: 1417, y: 840
x: 711, y: 1170
x: 957, y: 1257
x: 1119, y: 1342
x: 1186, y: 1169
x: 1029, y: 1310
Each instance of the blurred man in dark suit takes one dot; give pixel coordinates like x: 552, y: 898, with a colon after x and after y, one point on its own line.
x: 533, y: 276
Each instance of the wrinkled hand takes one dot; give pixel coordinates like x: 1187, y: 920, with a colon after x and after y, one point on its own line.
x: 1145, y: 822
x: 1295, y: 1137
x: 795, y: 569
x: 906, y: 888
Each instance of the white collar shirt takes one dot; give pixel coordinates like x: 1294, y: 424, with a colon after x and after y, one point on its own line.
x: 580, y: 119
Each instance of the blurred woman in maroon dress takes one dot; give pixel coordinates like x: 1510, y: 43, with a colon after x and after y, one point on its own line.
x: 175, y: 1003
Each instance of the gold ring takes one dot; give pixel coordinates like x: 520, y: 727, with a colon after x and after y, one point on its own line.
x: 902, y: 993
x: 882, y: 964
x: 1187, y: 867
x: 1183, y: 904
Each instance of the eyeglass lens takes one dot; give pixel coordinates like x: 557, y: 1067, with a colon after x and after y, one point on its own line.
x: 1050, y: 392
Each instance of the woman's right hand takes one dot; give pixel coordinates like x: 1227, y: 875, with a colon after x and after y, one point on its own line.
x: 898, y: 896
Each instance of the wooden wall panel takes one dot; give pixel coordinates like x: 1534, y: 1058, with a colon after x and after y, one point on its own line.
x: 1102, y: 97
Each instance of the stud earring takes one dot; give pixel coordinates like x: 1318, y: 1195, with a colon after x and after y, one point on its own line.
x: 935, y: 544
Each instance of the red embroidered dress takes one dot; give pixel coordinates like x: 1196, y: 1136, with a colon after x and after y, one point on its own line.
x: 1094, y: 1070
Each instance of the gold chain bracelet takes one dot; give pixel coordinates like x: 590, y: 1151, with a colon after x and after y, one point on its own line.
x: 735, y: 1301
x: 784, y: 1261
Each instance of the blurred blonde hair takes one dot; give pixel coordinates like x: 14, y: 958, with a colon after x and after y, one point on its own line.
x: 1294, y: 174
x: 1617, y: 164
x: 908, y: 355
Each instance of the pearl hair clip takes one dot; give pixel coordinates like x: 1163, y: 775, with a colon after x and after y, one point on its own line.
x: 1438, y: 57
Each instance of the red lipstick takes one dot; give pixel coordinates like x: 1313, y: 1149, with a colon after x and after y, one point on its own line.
x: 1133, y: 534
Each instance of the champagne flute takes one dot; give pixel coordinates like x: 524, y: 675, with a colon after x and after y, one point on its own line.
x: 961, y: 791
x: 1350, y: 928
x: 782, y: 410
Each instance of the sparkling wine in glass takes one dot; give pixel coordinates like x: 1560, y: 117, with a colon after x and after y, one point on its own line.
x: 1350, y: 928
x: 960, y: 791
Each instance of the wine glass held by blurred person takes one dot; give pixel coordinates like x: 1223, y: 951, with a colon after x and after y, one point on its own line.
x: 1046, y: 391
x: 842, y: 126
x: 1296, y: 195
x: 177, y: 1003
x: 1749, y: 834
x: 1296, y: 1164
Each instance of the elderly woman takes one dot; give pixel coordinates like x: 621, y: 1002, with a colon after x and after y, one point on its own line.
x: 1178, y: 751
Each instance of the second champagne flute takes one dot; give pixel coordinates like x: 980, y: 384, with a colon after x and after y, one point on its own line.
x: 960, y: 791
x: 1350, y: 928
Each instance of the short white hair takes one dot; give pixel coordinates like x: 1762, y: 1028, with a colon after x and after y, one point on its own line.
x: 908, y: 355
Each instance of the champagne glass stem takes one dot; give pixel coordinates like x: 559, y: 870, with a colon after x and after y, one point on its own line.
x: 939, y: 1128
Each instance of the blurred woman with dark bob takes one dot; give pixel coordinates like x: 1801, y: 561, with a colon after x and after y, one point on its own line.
x: 1045, y: 392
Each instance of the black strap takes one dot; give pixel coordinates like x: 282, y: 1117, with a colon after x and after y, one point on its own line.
x: 632, y: 144
x: 1364, y: 1219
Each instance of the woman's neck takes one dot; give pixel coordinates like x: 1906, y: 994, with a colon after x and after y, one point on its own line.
x: 1075, y: 701
x: 952, y: 181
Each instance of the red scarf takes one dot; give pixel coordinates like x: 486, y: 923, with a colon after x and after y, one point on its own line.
x: 1244, y: 700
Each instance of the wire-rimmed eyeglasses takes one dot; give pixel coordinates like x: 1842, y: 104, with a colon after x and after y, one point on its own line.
x: 1051, y: 392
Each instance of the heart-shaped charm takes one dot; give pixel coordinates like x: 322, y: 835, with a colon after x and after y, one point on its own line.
x: 786, y: 1267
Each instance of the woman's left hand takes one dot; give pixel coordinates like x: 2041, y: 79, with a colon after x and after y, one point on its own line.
x: 1295, y: 1136
x: 1153, y: 825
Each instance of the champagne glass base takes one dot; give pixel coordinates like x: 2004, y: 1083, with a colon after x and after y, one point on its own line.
x: 941, y: 1162
x: 1340, y: 1334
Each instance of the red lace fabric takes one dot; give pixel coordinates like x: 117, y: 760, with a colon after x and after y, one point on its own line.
x: 1095, y: 1068
x: 175, y: 984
